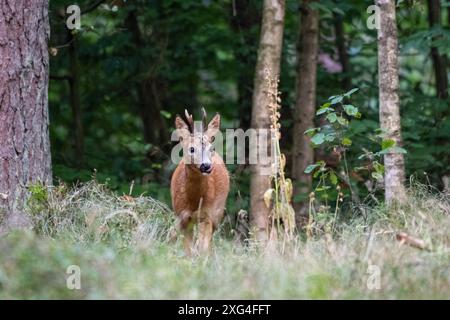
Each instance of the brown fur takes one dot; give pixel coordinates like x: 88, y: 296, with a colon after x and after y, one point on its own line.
x: 196, y: 198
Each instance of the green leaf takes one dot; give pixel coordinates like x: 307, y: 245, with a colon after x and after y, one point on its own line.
x: 310, y: 131
x: 318, y: 138
x: 398, y: 150
x: 392, y: 150
x: 378, y: 167
x: 349, y: 93
x: 330, y: 137
x: 339, y: 11
x: 332, y: 117
x: 166, y: 114
x: 346, y: 141
x: 350, y: 110
x: 322, y: 111
x: 156, y: 165
x: 333, y: 178
x: 336, y: 100
x: 311, y: 168
x: 342, y: 121
x: 362, y: 156
x: 324, y: 108
x: 385, y: 144
x: 377, y: 175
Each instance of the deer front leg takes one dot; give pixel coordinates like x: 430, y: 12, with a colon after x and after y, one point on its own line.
x: 186, y: 226
x: 188, y: 233
x: 205, y: 230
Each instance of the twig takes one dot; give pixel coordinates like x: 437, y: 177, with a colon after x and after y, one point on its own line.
x: 405, y: 238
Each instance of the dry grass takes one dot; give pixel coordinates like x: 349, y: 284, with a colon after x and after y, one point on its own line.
x: 278, y: 198
x: 91, y: 213
x: 122, y: 247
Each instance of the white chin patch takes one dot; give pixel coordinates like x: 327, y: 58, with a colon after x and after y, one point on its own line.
x: 205, y: 174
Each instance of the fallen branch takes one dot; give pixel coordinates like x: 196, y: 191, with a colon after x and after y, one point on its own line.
x: 405, y: 238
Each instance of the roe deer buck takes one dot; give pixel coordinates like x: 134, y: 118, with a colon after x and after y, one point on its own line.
x: 200, y: 183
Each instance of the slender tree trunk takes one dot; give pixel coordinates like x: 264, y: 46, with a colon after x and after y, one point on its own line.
x: 389, y: 101
x: 149, y: 92
x: 155, y: 130
x: 269, y: 55
x: 24, y: 137
x: 439, y: 61
x: 305, y: 106
x: 342, y: 51
x: 440, y: 74
x: 75, y: 102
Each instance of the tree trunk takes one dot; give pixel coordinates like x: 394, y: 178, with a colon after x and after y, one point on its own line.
x: 75, y: 103
x: 439, y: 61
x: 24, y: 146
x: 389, y: 101
x: 149, y: 91
x: 342, y: 51
x: 440, y: 74
x: 269, y: 55
x: 305, y: 106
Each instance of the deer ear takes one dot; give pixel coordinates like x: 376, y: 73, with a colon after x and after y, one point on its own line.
x: 182, y: 128
x: 213, y: 127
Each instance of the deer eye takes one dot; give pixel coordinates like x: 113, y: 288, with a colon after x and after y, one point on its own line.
x: 191, y: 150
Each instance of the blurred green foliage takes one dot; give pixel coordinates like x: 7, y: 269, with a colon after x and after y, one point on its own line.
x: 165, y: 56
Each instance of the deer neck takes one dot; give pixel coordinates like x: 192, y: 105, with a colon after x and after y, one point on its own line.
x: 196, y: 183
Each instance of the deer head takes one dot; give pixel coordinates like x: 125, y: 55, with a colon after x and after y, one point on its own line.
x: 196, y: 139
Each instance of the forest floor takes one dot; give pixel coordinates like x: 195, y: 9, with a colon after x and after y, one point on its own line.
x: 123, y: 249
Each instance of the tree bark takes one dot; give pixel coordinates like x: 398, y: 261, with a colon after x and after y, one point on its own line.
x: 389, y: 101
x: 269, y: 55
x: 439, y: 61
x: 24, y: 146
x: 305, y: 106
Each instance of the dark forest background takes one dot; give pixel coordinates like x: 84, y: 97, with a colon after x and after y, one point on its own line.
x: 117, y: 83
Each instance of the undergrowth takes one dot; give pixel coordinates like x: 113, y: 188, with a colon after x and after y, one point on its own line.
x: 124, y: 248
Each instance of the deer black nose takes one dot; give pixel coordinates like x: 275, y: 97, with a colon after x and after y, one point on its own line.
x: 205, y: 167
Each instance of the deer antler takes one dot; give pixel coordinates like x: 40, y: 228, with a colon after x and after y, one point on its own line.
x: 189, y: 121
x: 204, y: 119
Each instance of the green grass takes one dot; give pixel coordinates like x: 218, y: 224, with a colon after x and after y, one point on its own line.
x: 124, y: 251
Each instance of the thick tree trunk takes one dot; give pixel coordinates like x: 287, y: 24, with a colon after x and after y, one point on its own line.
x: 24, y: 137
x: 439, y: 61
x: 269, y: 55
x: 389, y: 101
x: 305, y: 106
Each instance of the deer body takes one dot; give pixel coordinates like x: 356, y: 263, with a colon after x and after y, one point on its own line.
x: 200, y: 184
